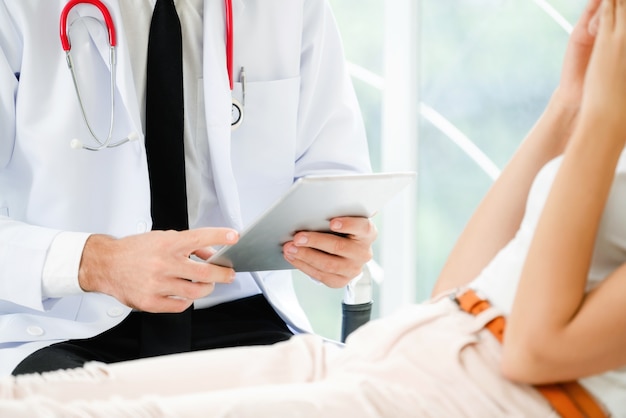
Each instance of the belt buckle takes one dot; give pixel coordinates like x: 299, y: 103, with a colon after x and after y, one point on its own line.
x: 454, y: 297
x: 458, y: 293
x: 469, y: 299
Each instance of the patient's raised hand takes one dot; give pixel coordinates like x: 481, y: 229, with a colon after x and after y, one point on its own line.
x: 604, y: 95
x: 577, y: 55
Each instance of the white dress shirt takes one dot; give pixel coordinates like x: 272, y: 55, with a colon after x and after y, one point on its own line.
x: 60, y: 276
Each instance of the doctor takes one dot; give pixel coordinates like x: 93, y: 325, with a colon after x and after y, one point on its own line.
x: 78, y: 260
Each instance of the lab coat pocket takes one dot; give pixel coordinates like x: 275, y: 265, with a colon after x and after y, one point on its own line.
x: 263, y: 146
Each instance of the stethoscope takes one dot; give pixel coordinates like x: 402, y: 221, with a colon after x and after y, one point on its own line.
x: 237, y: 108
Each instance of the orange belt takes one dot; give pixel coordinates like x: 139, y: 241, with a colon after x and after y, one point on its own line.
x: 569, y: 399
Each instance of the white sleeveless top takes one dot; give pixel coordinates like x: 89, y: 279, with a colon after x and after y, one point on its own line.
x: 499, y: 280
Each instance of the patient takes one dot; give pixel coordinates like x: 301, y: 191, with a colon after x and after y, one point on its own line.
x: 546, y: 248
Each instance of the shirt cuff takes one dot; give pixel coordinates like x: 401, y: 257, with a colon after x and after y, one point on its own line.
x: 60, y: 271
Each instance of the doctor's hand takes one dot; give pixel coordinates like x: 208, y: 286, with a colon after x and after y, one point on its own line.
x: 153, y: 272
x: 333, y: 258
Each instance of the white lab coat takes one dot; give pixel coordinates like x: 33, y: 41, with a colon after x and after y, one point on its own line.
x: 301, y: 118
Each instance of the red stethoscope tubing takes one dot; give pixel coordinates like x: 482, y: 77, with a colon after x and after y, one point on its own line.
x: 108, y: 20
x: 228, y: 7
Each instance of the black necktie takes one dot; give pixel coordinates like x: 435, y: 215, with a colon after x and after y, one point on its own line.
x: 166, y: 333
x: 164, y: 119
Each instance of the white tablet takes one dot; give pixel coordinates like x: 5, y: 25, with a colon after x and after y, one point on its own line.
x: 308, y: 205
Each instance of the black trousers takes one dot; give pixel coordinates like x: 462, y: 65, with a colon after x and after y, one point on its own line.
x: 248, y: 321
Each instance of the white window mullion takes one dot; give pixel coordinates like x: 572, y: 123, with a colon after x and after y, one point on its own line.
x: 398, y: 241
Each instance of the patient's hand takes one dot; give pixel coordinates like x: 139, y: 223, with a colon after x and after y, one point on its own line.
x: 577, y: 54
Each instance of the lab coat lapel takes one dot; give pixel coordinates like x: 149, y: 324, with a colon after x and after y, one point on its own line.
x: 218, y: 106
x: 124, y: 83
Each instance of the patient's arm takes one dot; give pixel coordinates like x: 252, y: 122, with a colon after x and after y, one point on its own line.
x: 556, y: 331
x: 499, y: 214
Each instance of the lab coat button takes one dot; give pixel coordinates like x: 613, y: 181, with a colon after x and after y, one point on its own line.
x: 115, y: 312
x: 142, y: 227
x: 35, y: 331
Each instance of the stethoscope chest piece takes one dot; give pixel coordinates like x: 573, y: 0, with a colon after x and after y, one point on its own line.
x: 236, y: 114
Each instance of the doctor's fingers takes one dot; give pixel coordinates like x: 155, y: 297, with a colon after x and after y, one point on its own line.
x: 351, y: 247
x: 195, y: 240
x: 186, y: 290
x: 174, y: 295
x: 331, y: 270
x: 358, y: 228
x: 203, y: 272
x: 331, y: 259
x: 173, y: 286
x: 163, y: 304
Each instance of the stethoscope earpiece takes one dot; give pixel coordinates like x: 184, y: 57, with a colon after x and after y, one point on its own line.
x: 76, y: 144
x: 134, y: 136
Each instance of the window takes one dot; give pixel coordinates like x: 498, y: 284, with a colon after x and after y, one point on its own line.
x: 448, y: 89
